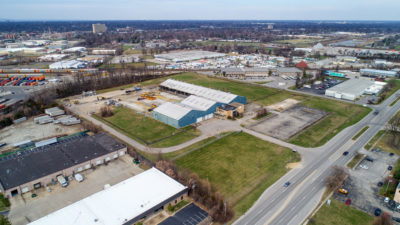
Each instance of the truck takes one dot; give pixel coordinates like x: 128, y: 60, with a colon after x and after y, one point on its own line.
x: 61, y: 179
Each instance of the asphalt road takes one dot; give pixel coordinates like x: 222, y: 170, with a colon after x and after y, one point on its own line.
x: 293, y: 204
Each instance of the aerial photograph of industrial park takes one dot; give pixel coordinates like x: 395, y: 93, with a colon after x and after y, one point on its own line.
x: 188, y: 112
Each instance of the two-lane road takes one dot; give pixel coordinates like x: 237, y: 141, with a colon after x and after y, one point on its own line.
x: 292, y: 205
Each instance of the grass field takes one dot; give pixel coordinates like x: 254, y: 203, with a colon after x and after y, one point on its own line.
x: 240, y: 166
x: 341, y: 115
x: 373, y: 140
x: 385, y: 143
x: 145, y: 129
x: 360, y: 133
x: 355, y: 160
x: 339, y: 213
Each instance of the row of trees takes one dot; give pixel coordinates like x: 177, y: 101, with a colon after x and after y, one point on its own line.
x: 200, y: 190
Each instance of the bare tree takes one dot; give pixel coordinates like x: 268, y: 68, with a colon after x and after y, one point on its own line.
x: 337, y: 177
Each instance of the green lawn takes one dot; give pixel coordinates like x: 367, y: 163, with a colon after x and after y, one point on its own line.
x: 145, y: 129
x: 341, y: 115
x: 385, y: 143
x: 338, y: 213
x: 240, y: 166
x: 373, y: 140
x: 360, y: 133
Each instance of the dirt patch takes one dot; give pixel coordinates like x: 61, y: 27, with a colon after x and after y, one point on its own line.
x: 283, y: 105
x: 292, y: 165
x: 289, y: 122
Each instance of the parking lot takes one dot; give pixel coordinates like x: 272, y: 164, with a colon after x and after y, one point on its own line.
x: 363, y: 183
x: 320, y: 88
x: 25, y: 208
x: 190, y: 215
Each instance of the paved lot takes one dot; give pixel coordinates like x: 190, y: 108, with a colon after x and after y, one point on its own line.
x: 362, y: 184
x: 190, y: 215
x: 25, y: 209
x: 28, y: 130
x: 289, y: 122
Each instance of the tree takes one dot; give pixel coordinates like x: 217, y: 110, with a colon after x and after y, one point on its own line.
x: 394, y: 129
x: 337, y: 177
x: 4, y: 220
x: 384, y: 219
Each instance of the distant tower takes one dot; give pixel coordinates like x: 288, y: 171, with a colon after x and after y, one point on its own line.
x: 99, y: 28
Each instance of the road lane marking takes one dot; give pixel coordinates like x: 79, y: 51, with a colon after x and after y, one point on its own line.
x: 289, y: 198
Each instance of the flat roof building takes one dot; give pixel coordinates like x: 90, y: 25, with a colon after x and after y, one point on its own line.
x: 127, y: 202
x: 183, y: 56
x: 378, y: 73
x: 99, y: 28
x: 34, y: 168
x: 354, y: 88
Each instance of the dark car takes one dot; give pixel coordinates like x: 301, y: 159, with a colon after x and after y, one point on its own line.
x: 376, y: 112
x: 377, y: 212
x: 390, y: 168
x: 392, y: 203
x: 286, y: 184
x: 369, y: 159
x: 345, y: 153
x: 391, y: 154
x: 397, y: 219
x: 380, y: 184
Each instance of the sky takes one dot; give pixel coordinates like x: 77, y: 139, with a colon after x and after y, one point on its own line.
x: 200, y: 9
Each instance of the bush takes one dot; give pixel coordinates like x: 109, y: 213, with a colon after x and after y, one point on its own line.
x: 91, y: 126
x: 106, y: 111
x: 5, y: 201
x: 171, y: 208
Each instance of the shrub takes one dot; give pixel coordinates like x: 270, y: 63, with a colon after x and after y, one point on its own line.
x: 106, y: 111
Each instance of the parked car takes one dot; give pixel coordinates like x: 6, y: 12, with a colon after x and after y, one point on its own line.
x: 390, y: 168
x: 380, y: 184
x: 78, y: 177
x: 391, y: 154
x: 345, y: 153
x: 364, y: 167
x: 386, y: 200
x: 61, y: 179
x: 377, y: 212
x: 369, y: 159
x: 286, y: 184
x: 343, y: 191
x: 397, y: 219
x: 348, y: 201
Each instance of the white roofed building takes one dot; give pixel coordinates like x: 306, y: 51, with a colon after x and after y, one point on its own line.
x: 127, y: 202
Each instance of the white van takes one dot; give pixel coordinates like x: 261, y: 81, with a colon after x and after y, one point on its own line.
x: 78, y: 177
x: 62, y: 181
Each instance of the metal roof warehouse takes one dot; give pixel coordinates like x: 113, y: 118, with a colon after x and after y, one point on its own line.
x: 29, y: 169
x: 201, y: 103
x: 124, y: 203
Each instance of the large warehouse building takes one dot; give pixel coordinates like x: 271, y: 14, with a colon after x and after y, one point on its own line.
x: 128, y: 202
x: 378, y: 73
x: 354, y: 88
x: 201, y: 103
x: 183, y: 56
x: 32, y: 169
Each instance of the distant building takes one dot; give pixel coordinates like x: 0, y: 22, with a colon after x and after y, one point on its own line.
x: 354, y: 88
x: 378, y: 73
x: 251, y: 72
x: 288, y: 71
x: 302, y: 65
x: 99, y: 28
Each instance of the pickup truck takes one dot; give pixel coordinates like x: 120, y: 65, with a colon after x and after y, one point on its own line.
x: 62, y: 181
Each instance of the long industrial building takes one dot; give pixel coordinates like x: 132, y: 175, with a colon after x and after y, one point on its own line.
x: 31, y: 169
x: 378, y: 73
x: 128, y: 202
x: 354, y: 88
x: 201, y: 103
x: 183, y: 56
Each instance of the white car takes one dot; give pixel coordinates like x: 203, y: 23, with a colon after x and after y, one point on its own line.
x: 78, y: 177
x: 364, y: 167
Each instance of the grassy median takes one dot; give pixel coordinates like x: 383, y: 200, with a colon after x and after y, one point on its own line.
x: 240, y: 166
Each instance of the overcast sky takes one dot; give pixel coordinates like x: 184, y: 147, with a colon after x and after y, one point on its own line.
x: 200, y: 9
